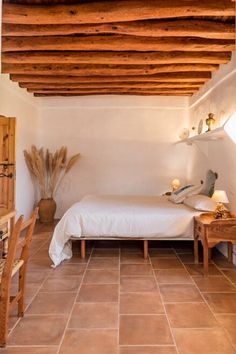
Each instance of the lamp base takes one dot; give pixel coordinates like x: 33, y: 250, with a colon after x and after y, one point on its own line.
x: 220, y: 212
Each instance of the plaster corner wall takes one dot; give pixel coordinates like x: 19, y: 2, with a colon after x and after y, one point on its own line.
x: 15, y: 102
x: 126, y: 143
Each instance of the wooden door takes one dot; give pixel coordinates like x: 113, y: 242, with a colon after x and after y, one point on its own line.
x: 7, y: 164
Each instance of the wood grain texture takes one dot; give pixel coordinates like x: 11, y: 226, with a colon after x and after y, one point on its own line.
x: 103, y: 70
x: 131, y: 58
x: 188, y: 76
x: 151, y: 28
x: 119, y: 11
x: 115, y: 43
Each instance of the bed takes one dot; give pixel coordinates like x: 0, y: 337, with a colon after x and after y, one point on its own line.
x: 121, y: 217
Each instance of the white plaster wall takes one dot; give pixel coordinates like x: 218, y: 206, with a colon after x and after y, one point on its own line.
x: 14, y: 102
x: 126, y: 143
x: 219, y: 97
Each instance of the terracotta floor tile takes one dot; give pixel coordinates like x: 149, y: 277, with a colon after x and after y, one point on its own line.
x: 167, y: 276
x: 68, y: 269
x: 144, y: 330
x: 231, y: 274
x: 101, y: 277
x: 223, y: 263
x: 70, y: 283
x: 197, y: 269
x: 94, y: 315
x: 229, y: 323
x: 136, y: 269
x: 40, y: 264
x: 33, y: 278
x: 166, y: 263
x: 104, y: 263
x: 221, y: 302
x: 98, y: 293
x: 51, y: 303
x: 29, y: 350
x: 133, y: 259
x: 180, y: 293
x: 147, y: 350
x: 38, y: 330
x: 210, y: 284
x: 188, y: 258
x: 162, y: 252
x: 137, y: 284
x: 105, y: 252
x: 94, y: 341
x: 141, y: 303
x: 190, y: 315
x: 207, y: 341
x: 133, y: 250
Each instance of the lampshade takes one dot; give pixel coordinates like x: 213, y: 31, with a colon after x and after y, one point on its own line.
x: 220, y: 197
x: 175, y: 184
x: 230, y: 127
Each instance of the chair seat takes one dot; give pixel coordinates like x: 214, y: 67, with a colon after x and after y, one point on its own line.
x: 16, y: 266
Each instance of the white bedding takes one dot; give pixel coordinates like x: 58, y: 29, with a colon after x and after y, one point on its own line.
x: 120, y: 216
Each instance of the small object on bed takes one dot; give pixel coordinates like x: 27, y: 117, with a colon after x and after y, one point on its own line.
x: 200, y: 202
x: 180, y: 194
x: 209, y: 185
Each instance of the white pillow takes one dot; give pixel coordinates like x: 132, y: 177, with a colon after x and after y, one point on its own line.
x: 180, y: 194
x: 200, y: 202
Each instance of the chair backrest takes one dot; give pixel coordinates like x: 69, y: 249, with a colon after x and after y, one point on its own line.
x: 27, y: 228
x: 11, y: 254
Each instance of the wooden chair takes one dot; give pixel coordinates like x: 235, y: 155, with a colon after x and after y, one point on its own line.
x: 9, y: 267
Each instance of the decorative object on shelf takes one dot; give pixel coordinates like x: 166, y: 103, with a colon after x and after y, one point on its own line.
x: 221, y: 198
x: 175, y: 184
x: 200, y: 126
x: 48, y: 169
x: 210, y: 121
x: 184, y: 134
x: 230, y: 127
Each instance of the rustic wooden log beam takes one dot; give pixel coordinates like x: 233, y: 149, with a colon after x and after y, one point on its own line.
x: 143, y: 93
x: 103, y: 70
x: 195, y: 76
x: 153, y: 28
x: 115, y: 43
x: 109, y: 58
x: 110, y: 91
x: 123, y: 85
x: 120, y: 11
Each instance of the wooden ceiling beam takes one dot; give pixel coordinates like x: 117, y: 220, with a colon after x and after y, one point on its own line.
x: 119, y: 11
x: 140, y: 85
x: 154, y: 28
x: 194, y: 76
x: 115, y: 43
x: 132, y: 58
x: 143, y: 93
x: 103, y: 70
x: 111, y: 91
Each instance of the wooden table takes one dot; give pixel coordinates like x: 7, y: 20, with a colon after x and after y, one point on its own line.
x: 7, y: 220
x: 210, y: 232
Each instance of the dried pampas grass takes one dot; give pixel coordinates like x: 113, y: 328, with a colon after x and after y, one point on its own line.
x: 49, y: 169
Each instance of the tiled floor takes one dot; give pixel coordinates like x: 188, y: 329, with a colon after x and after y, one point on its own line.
x: 115, y: 302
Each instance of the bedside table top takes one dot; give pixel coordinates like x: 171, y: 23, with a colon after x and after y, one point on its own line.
x: 208, y: 218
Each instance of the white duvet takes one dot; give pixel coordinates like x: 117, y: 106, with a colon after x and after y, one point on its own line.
x: 120, y: 216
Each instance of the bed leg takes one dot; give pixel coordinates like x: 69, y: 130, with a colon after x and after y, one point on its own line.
x: 83, y: 249
x: 145, y: 249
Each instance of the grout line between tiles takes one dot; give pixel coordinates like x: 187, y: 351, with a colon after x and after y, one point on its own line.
x: 162, y: 300
x: 72, y: 308
x: 214, y: 315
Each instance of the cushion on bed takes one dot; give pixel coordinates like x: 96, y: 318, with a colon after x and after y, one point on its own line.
x: 180, y: 194
x: 209, y: 185
x: 200, y: 202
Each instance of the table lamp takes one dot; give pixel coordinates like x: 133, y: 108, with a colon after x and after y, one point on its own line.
x: 221, y: 198
x: 175, y: 184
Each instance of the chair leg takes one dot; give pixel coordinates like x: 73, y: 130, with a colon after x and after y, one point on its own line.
x: 4, y: 316
x: 21, y: 301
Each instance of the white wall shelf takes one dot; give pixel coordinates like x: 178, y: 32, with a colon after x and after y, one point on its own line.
x: 213, y: 135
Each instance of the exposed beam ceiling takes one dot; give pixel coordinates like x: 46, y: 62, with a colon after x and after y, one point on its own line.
x: 58, y: 47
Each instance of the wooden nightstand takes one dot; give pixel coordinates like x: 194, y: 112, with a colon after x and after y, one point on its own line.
x: 210, y: 232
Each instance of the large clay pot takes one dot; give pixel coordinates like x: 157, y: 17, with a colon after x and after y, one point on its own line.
x: 47, y: 209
